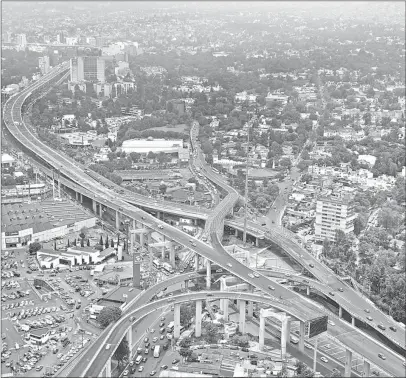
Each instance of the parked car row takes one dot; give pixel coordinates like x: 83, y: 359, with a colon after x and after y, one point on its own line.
x: 10, y: 306
x: 24, y: 314
x: 14, y: 295
x: 10, y: 285
x: 48, y: 320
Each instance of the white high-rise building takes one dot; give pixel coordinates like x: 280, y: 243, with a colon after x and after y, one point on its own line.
x: 333, y: 213
x: 22, y: 40
x: 43, y: 63
x: 87, y: 68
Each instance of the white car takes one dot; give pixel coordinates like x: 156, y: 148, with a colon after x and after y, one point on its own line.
x: 250, y: 275
x: 141, y: 368
x: 228, y: 264
x: 324, y: 359
x: 331, y: 323
x: 256, y: 275
x: 125, y: 373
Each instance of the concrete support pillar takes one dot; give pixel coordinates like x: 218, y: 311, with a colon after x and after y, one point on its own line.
x: 235, y: 232
x: 196, y: 262
x: 241, y: 322
x: 176, y: 319
x: 158, y: 214
x: 348, y: 361
x: 285, y: 335
x: 142, y: 240
x: 94, y: 205
x: 353, y: 321
x: 367, y: 369
x: 172, y: 255
x: 100, y: 210
x: 163, y: 253
x: 198, y: 329
x: 250, y: 309
x: 117, y: 220
x: 187, y: 284
x: 151, y: 255
x: 261, y: 331
x: 129, y: 337
x: 224, y: 308
x: 256, y: 242
x: 301, y: 336
x: 340, y: 312
x: 108, y: 368
x: 308, y: 290
x: 77, y: 196
x: 81, y: 197
x: 208, y: 274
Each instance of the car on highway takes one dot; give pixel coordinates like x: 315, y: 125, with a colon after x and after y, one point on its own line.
x: 250, y: 275
x: 152, y: 329
x: 141, y: 368
x: 160, y: 227
x: 367, y: 311
x: 308, y: 346
x: 340, y: 289
x: 382, y: 327
x: 392, y: 328
x: 155, y: 339
x: 175, y: 361
x: 164, y: 367
x: 331, y: 293
x: 146, y: 340
x: 125, y: 373
x: 170, y: 300
x: 219, y: 270
x: 369, y: 318
x: 161, y: 337
x: 271, y: 287
x: 229, y: 265
x: 153, y: 372
x: 194, y: 244
x: 311, y: 265
x: 256, y: 275
x: 331, y: 323
x: 146, y: 350
x: 382, y: 356
x: 324, y: 359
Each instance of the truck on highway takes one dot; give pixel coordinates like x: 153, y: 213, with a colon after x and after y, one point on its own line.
x: 170, y: 327
x: 157, y: 351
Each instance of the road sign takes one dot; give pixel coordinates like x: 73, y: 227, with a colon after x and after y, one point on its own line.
x: 316, y: 326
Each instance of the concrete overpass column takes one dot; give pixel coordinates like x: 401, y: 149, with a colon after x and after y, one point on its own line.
x: 158, y: 214
x: 366, y: 370
x: 250, y: 308
x: 187, y: 284
x: 176, y: 313
x: 129, y: 336
x: 261, y: 331
x: 94, y: 205
x: 77, y: 196
x: 256, y: 242
x: 163, y: 253
x: 353, y: 321
x: 307, y: 290
x: 208, y: 274
x: 117, y: 220
x: 340, y: 312
x: 301, y: 336
x: 100, y: 210
x: 172, y: 255
x: 224, y: 302
x: 348, y: 361
x: 142, y: 240
x: 108, y: 368
x: 236, y: 233
x: 241, y: 322
x: 151, y: 255
x: 196, y: 262
x: 198, y: 329
x: 285, y: 335
x: 81, y: 197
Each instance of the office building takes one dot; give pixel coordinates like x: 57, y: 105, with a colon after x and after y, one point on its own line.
x: 60, y: 38
x: 21, y: 40
x: 87, y: 68
x: 333, y: 213
x: 43, y: 63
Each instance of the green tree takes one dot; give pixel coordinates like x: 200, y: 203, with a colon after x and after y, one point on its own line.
x: 122, y: 352
x: 186, y: 352
x: 187, y: 341
x: 106, y: 244
x: 101, y: 240
x: 88, y: 242
x: 162, y: 188
x: 186, y: 314
x: 212, y: 333
x: 34, y: 247
x: 83, y: 232
x: 108, y: 315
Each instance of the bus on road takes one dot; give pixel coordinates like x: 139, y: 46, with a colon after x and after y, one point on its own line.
x: 157, y: 351
x: 170, y: 327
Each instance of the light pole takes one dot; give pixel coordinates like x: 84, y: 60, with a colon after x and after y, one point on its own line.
x: 244, y: 237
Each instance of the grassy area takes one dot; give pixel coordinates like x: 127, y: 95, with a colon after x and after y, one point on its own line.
x: 262, y: 173
x: 181, y: 128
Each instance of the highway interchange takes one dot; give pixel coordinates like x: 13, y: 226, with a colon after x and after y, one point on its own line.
x: 217, y: 255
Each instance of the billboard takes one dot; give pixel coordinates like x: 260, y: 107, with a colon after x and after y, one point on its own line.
x: 316, y: 326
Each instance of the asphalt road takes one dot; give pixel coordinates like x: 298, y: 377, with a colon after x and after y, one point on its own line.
x: 110, y: 199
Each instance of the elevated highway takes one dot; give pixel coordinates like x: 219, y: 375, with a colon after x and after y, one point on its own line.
x: 87, y: 366
x: 68, y: 168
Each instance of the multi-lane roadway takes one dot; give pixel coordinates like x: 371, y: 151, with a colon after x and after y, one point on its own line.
x: 109, y: 198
